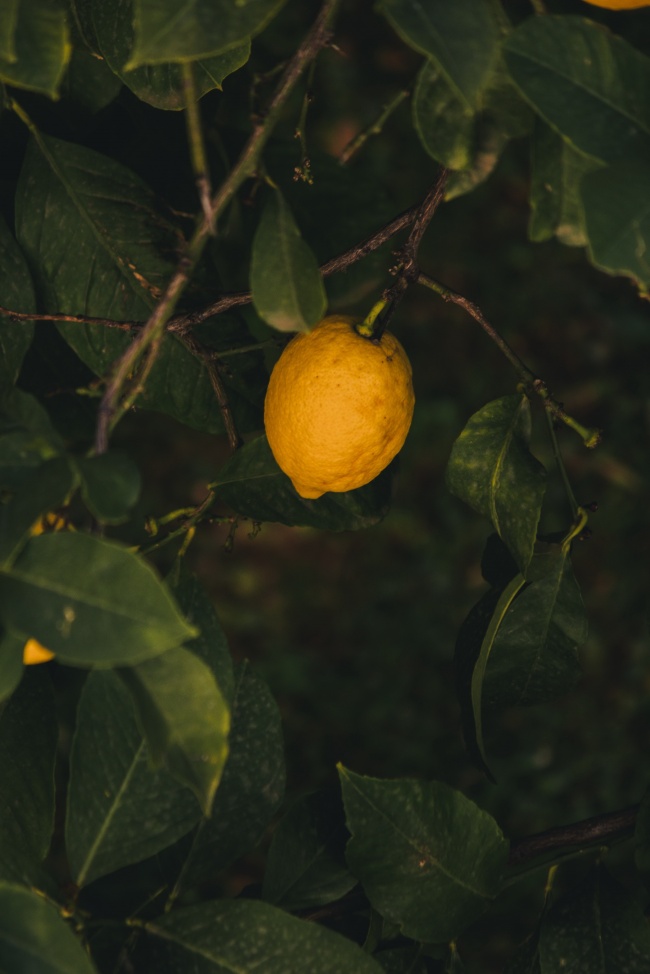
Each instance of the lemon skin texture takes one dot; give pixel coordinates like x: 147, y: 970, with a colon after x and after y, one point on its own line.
x: 619, y: 4
x: 338, y: 407
x: 34, y: 653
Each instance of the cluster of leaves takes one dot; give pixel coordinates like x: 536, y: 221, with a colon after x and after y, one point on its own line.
x: 175, y: 768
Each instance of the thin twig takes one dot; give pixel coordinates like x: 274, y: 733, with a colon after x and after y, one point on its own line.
x: 359, y: 140
x: 209, y: 360
x: 76, y: 319
x: 590, y: 831
x: 195, y: 137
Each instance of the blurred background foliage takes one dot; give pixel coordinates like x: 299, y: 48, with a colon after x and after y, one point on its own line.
x: 355, y: 631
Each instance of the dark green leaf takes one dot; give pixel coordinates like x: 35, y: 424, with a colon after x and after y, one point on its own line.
x: 110, y: 486
x: 286, y: 284
x: 426, y: 856
x: 160, y: 85
x: 616, y: 202
x: 12, y: 646
x: 252, y: 786
x: 90, y: 601
x: 28, y: 740
x: 35, y: 938
x: 402, y: 960
x: 534, y: 654
x: 17, y: 293
x: 184, y: 717
x: 102, y: 248
x: 39, y: 490
x: 598, y: 928
x: 249, y: 937
x: 211, y: 644
x: 23, y: 420
x: 114, y: 791
x: 305, y: 866
x: 253, y: 485
x: 492, y: 470
x: 461, y: 37
x: 89, y: 81
x: 557, y: 171
x: 39, y: 46
x: 8, y: 23
x: 642, y: 838
x: 526, y: 959
x: 588, y: 84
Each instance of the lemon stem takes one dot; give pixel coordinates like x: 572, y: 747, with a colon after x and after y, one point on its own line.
x: 367, y: 327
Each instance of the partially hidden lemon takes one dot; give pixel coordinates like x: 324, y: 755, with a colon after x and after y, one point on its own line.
x: 338, y: 407
x: 34, y: 653
x: 619, y: 4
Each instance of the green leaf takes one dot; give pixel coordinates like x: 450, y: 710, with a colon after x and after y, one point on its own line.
x: 557, y: 171
x: 160, y: 85
x: 426, y: 856
x: 90, y: 601
x: 492, y: 470
x: 534, y: 654
x: 39, y: 49
x: 286, y: 284
x: 8, y: 24
x: 12, y: 646
x: 28, y: 741
x: 461, y: 37
x: 402, y: 960
x: 526, y: 958
x: 17, y: 293
x: 101, y: 246
x: 184, y: 717
x: 27, y: 437
x: 114, y: 790
x: 39, y: 490
x: 248, y: 937
x: 199, y: 28
x: 597, y: 928
x: 89, y: 81
x: 616, y: 202
x: 252, y: 786
x: 34, y: 937
x: 253, y: 485
x: 110, y: 486
x: 642, y: 838
x: 591, y: 86
x: 305, y: 866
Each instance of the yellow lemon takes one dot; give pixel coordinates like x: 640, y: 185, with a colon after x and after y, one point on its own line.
x: 619, y: 4
x: 35, y: 653
x: 338, y: 407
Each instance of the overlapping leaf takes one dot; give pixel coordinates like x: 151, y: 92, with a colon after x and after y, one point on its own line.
x: 90, y: 601
x: 36, y: 48
x: 110, y: 486
x: 114, y: 790
x: 492, y: 470
x: 427, y: 857
x: 252, y: 483
x: 39, y: 490
x: 17, y: 293
x: 165, y: 31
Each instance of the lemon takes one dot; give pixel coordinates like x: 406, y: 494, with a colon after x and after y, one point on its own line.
x: 619, y: 4
x: 35, y: 653
x: 338, y: 407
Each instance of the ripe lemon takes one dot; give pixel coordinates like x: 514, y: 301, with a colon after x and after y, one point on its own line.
x: 34, y: 653
x: 338, y: 407
x: 619, y: 4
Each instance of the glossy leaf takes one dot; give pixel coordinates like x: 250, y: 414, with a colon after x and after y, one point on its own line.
x: 38, y: 47
x: 286, y: 284
x: 159, y: 84
x: 8, y: 23
x: 12, y: 646
x: 591, y: 86
x: 38, y: 490
x: 110, y: 486
x: 90, y: 601
x: 28, y: 740
x: 444, y: 122
x: 89, y: 81
x: 34, y: 936
x: 616, y: 201
x: 249, y: 937
x: 426, y: 856
x: 17, y: 293
x: 305, y: 866
x: 555, y: 199
x: 199, y: 28
x: 492, y: 470
x: 461, y: 38
x: 102, y: 248
x: 253, y: 485
x: 114, y: 789
x: 598, y: 928
x: 184, y: 717
x: 534, y: 655
x: 253, y: 781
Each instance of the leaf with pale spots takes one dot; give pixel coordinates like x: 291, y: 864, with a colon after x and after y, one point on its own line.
x: 427, y: 857
x: 492, y: 470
